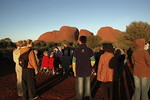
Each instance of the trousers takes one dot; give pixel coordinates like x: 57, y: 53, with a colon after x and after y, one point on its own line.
x: 142, y: 85
x: 28, y: 83
x: 83, y: 88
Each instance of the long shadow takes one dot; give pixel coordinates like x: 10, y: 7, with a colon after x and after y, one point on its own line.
x: 95, y: 88
x: 95, y: 84
x: 123, y: 87
x: 130, y: 82
x: 7, y: 67
x: 47, y: 81
x: 51, y: 84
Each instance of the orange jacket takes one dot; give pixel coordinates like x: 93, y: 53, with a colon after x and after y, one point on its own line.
x: 32, y: 59
x: 141, y: 59
x: 105, y: 73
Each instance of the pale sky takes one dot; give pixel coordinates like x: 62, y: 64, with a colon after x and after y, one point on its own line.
x: 28, y: 19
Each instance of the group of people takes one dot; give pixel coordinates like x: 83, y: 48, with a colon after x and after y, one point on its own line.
x: 109, y: 68
x: 54, y: 59
x: 49, y: 63
x: 26, y: 83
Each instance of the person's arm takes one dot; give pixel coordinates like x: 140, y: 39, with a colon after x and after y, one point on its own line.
x: 33, y: 61
x: 92, y: 61
x: 74, y: 65
x: 100, y: 65
x: 92, y: 58
x: 14, y: 57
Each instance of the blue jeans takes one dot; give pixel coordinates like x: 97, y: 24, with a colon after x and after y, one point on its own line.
x: 83, y: 88
x: 142, y: 85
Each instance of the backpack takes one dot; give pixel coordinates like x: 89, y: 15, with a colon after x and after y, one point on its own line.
x: 66, y: 52
x: 24, y: 59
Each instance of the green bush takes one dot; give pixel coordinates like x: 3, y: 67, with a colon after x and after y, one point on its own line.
x: 134, y: 31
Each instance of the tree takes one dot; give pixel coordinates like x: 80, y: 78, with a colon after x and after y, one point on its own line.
x: 93, y: 41
x: 6, y: 40
x: 51, y: 44
x: 6, y: 43
x: 134, y: 31
x: 43, y: 43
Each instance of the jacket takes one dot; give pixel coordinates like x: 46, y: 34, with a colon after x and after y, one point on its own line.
x: 45, y: 61
x: 105, y: 73
x: 51, y: 62
x: 141, y: 59
x: 32, y: 59
x: 16, y: 54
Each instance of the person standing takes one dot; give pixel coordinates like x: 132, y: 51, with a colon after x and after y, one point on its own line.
x: 105, y: 72
x: 18, y: 68
x: 51, y: 63
x: 45, y: 63
x: 28, y: 73
x: 66, y: 59
x: 37, y: 58
x: 141, y: 71
x: 82, y: 63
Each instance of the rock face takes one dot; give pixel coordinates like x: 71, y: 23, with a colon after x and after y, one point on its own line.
x: 108, y: 34
x: 65, y: 33
x: 50, y: 36
x: 72, y: 34
x: 84, y: 32
x: 69, y: 33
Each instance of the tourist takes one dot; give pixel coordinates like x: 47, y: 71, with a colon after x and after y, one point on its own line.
x: 105, y: 72
x: 83, y: 61
x: 141, y: 71
x: 28, y: 73
x: 18, y: 68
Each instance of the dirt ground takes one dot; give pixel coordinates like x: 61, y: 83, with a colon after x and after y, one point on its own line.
x: 60, y: 87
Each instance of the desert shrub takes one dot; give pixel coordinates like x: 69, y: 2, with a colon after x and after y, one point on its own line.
x: 93, y: 41
x: 134, y: 31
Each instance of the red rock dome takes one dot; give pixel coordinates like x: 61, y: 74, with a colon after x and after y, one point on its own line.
x: 65, y: 33
x: 84, y: 32
x: 108, y: 34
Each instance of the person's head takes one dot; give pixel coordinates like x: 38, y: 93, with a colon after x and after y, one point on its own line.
x: 19, y: 44
x: 36, y: 52
x: 29, y: 43
x: 108, y: 47
x: 45, y: 53
x: 82, y: 39
x: 65, y: 44
x: 55, y: 49
x: 139, y: 43
x: 51, y: 54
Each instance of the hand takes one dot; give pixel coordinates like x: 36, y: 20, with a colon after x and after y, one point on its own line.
x: 70, y: 66
x: 74, y: 74
x: 36, y: 72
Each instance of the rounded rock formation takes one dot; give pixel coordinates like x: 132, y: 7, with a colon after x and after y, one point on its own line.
x: 84, y: 32
x: 108, y: 34
x: 65, y: 33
